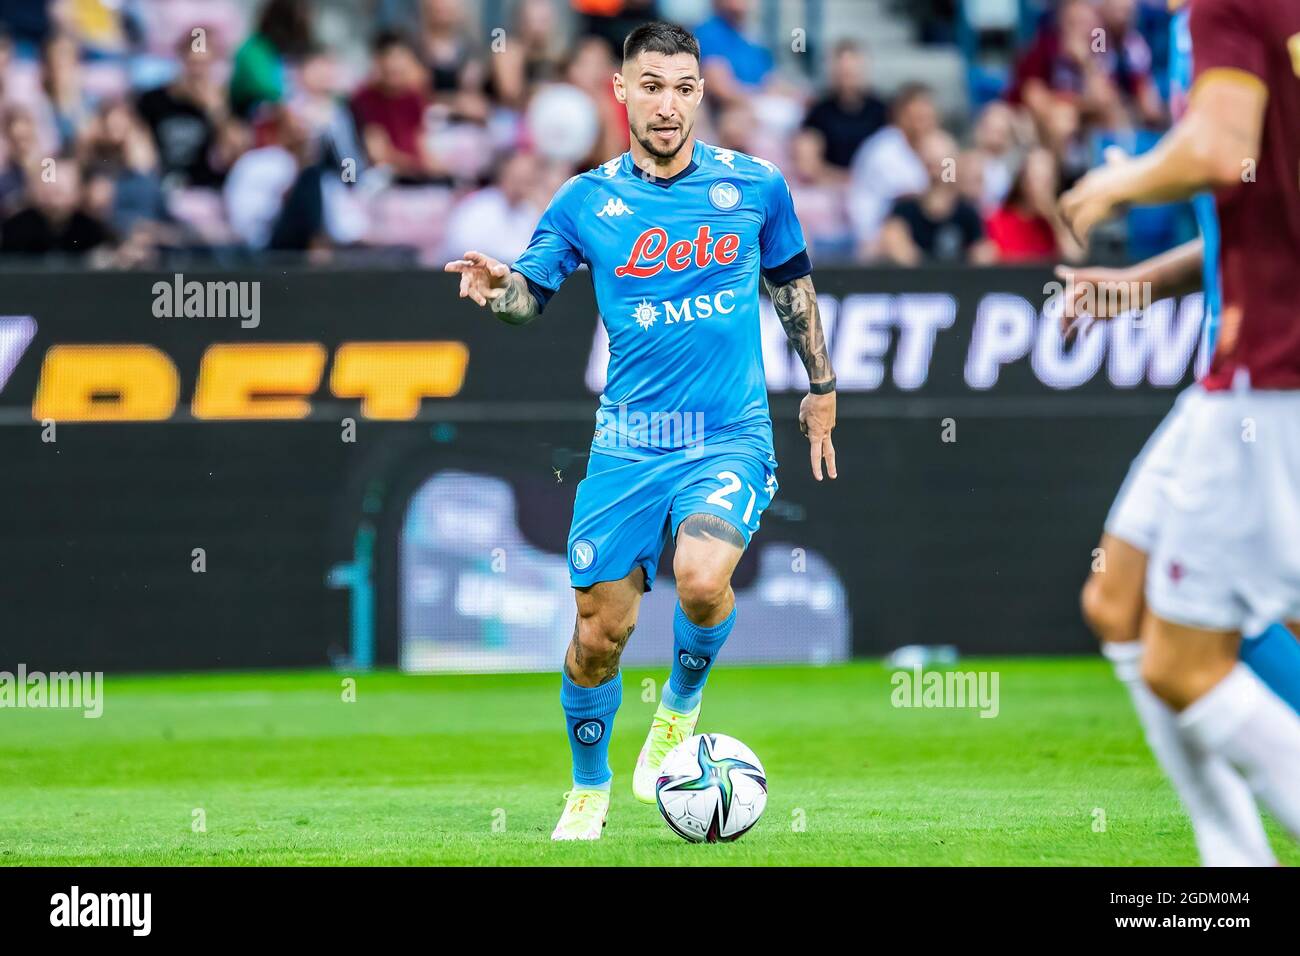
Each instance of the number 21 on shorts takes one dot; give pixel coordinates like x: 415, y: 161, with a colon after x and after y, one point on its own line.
x: 731, y: 484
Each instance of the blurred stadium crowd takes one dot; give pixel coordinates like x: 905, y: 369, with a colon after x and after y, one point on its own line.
x: 143, y: 133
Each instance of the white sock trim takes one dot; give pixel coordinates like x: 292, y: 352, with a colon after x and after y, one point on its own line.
x: 1219, y: 713
x: 1215, y: 796
x: 1127, y: 658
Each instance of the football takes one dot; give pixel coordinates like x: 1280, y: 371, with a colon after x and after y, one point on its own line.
x: 711, y: 789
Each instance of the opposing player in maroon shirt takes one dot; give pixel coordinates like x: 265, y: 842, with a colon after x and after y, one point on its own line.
x: 1227, y: 554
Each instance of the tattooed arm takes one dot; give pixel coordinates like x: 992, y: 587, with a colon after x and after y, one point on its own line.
x: 516, y: 304
x: 492, y: 283
x: 796, y: 306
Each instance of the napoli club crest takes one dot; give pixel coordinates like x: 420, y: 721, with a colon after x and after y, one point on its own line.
x: 692, y: 662
x: 589, y: 732
x: 724, y: 195
x: 582, y: 554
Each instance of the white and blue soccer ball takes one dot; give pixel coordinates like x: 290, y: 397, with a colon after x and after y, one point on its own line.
x: 711, y: 788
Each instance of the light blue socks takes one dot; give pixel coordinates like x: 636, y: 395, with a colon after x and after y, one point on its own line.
x: 589, y: 720
x: 694, y: 650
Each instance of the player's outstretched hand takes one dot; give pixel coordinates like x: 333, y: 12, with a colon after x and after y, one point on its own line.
x: 1092, y: 199
x: 1089, y: 294
x: 816, y: 420
x: 482, y: 278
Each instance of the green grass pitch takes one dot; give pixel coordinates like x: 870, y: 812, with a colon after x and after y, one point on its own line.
x: 471, y: 769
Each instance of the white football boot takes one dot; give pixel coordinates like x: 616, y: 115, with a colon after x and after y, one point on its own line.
x: 584, y: 814
x: 667, y: 730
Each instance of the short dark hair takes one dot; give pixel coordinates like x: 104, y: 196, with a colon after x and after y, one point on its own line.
x: 659, y: 37
x: 386, y: 40
x: 907, y: 93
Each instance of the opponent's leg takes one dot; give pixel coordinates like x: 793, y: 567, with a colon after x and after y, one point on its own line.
x: 1112, y: 600
x: 1217, y: 800
x: 1113, y: 604
x: 1225, y: 709
x: 590, y: 693
x: 708, y: 549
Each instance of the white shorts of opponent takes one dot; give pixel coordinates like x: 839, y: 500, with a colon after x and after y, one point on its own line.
x: 1135, y: 516
x: 1225, y: 553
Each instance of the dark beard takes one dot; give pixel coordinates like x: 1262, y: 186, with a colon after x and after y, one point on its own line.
x: 647, y: 145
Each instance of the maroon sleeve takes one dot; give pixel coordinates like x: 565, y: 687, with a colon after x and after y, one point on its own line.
x: 1031, y: 66
x: 1227, y: 34
x: 360, y: 107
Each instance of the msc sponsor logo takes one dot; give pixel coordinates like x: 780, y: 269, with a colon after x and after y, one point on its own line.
x: 705, y: 305
x: 652, y: 252
x: 645, y: 314
x: 688, y: 309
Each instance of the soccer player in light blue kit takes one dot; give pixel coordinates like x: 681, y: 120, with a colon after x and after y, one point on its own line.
x: 1219, y: 804
x: 677, y: 235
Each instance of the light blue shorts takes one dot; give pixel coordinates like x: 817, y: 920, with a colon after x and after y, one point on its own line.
x: 626, y: 511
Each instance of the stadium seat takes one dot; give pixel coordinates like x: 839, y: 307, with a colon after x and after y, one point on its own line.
x: 203, y: 211
x: 410, y: 216
x: 173, y: 19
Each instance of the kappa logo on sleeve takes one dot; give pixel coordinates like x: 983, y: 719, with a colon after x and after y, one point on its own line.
x: 615, y: 207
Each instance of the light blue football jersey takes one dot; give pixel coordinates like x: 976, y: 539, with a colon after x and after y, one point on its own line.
x: 676, y: 265
x: 1207, y: 216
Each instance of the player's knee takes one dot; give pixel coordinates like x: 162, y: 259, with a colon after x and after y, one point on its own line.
x: 599, y: 646
x: 702, y: 591
x: 602, y: 635
x: 1109, y: 617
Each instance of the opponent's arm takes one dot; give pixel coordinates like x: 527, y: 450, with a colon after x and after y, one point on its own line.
x: 1171, y: 273
x: 491, y: 283
x: 1175, y: 272
x: 1212, y: 147
x: 796, y: 307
